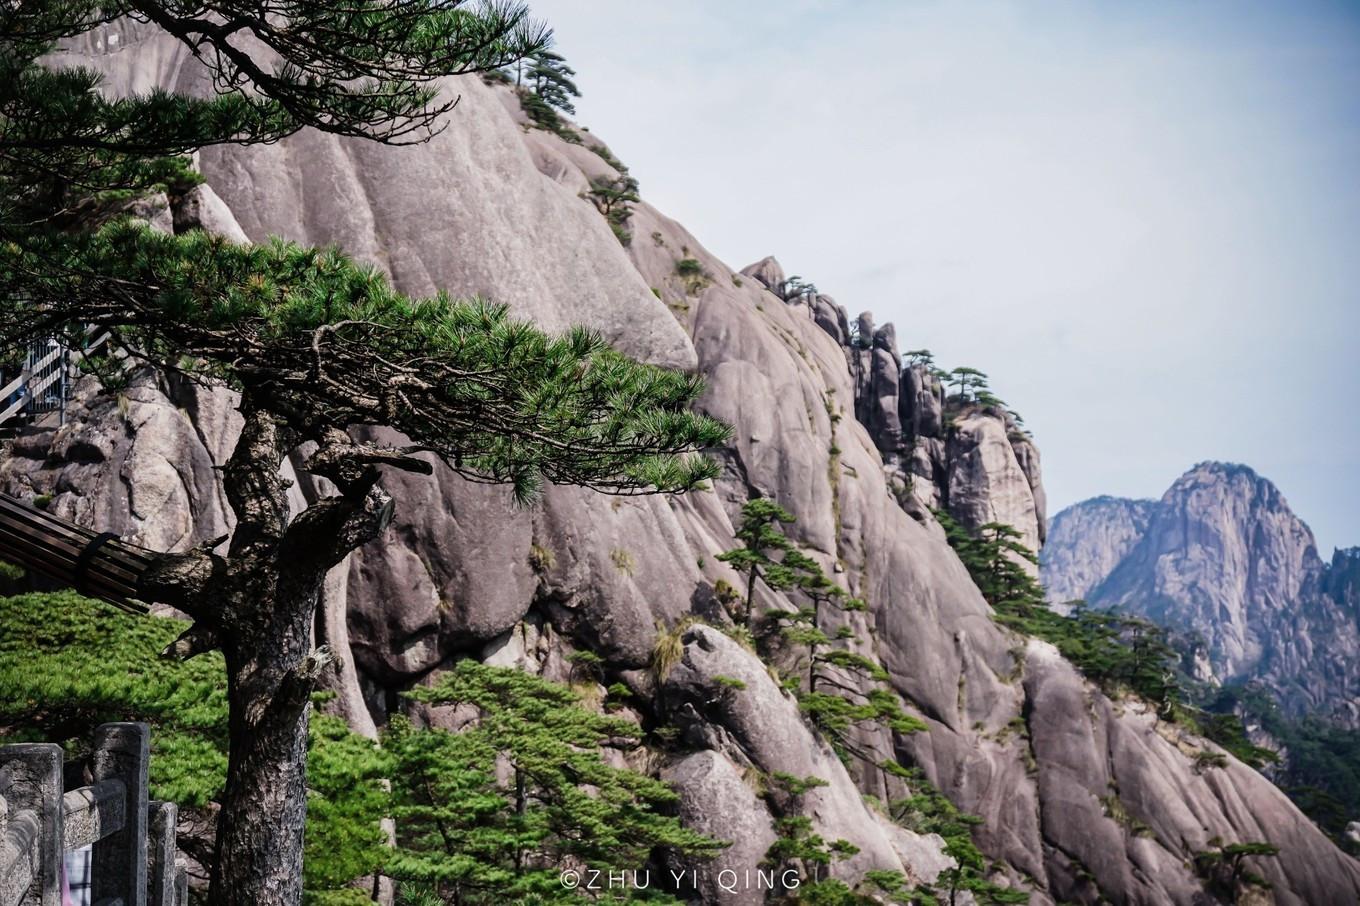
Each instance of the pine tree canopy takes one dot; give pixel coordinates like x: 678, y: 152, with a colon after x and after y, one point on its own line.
x: 491, y: 814
x: 364, y: 68
x: 551, y: 78
x: 329, y: 344
x: 311, y: 335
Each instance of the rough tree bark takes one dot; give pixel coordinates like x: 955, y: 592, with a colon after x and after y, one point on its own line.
x: 258, y: 605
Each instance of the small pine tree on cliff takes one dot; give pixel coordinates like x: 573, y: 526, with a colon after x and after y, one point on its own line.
x: 550, y: 78
x: 843, y: 687
x: 968, y: 380
x: 613, y: 197
x: 492, y: 814
x: 766, y: 554
x: 314, y: 343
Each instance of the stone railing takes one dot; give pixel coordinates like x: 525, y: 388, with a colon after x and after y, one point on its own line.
x: 133, y: 839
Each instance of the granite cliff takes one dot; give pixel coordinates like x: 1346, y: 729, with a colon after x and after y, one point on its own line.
x: 1084, y: 799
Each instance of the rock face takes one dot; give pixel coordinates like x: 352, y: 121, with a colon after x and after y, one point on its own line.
x: 1087, y: 541
x: 1083, y: 799
x: 1222, y: 555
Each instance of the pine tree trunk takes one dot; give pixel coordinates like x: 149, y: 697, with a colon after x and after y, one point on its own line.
x: 257, y: 604
x: 264, y: 806
x: 750, y: 598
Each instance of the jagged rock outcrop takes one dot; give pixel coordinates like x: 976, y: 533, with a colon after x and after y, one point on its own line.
x: 768, y: 271
x: 1015, y: 735
x: 1221, y: 555
x: 138, y: 463
x: 922, y: 406
x: 973, y: 461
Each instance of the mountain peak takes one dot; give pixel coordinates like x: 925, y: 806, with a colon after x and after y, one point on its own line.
x: 1227, y: 471
x: 1239, y: 502
x: 1221, y: 554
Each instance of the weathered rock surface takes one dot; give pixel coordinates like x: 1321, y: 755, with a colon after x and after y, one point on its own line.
x: 489, y: 207
x: 1222, y: 555
x: 716, y: 800
x: 1087, y: 541
x: 768, y: 271
x: 138, y: 463
x: 922, y: 408
x: 758, y: 725
x: 986, y: 480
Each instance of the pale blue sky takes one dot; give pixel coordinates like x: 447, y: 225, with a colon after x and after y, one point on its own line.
x: 1141, y: 219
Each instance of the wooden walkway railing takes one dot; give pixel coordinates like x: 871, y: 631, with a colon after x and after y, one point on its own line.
x: 96, y: 564
x: 135, y: 861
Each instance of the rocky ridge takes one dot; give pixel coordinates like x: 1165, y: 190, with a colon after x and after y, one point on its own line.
x: 973, y: 461
x: 1084, y: 799
x: 1222, y: 556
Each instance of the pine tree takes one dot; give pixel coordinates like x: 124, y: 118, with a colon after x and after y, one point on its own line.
x: 968, y: 381
x: 550, y: 78
x: 797, y: 846
x: 314, y: 343
x: 68, y: 664
x: 1225, y: 866
x: 492, y: 814
x: 767, y: 554
x: 799, y: 849
x: 1001, y: 557
x: 795, y: 288
x: 928, y: 811
x: 843, y: 687
x: 803, y: 627
x: 612, y: 197
x: 543, y: 82
x: 919, y: 357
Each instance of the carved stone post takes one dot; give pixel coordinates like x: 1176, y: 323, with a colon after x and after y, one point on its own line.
x: 121, y: 752
x: 32, y: 796
x: 161, y: 856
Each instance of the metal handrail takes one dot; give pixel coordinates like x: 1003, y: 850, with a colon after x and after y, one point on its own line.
x: 49, y: 363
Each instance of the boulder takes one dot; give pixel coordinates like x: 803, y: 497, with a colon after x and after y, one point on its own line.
x: 201, y: 209
x: 768, y: 271
x: 716, y: 800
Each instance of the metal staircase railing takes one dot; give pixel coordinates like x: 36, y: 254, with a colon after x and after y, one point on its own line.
x: 44, y: 383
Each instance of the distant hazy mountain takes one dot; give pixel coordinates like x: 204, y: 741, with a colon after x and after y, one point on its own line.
x: 1222, y: 555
